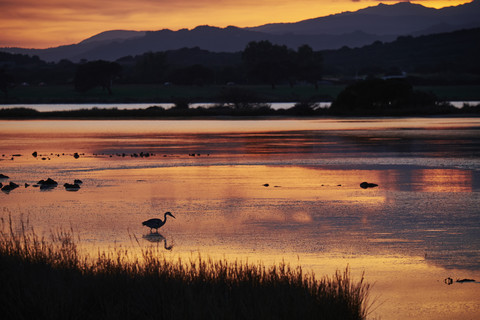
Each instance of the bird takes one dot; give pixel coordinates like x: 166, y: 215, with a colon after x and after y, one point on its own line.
x: 157, y: 223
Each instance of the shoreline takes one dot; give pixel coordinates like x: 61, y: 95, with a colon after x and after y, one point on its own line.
x: 222, y: 113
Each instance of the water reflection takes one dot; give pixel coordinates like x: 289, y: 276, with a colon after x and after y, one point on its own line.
x: 271, y: 191
x: 156, y: 237
x: 443, y: 180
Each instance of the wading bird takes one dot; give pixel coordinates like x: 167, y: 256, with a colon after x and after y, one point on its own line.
x: 157, y: 223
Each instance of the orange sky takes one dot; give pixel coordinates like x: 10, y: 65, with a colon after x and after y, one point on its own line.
x: 49, y: 23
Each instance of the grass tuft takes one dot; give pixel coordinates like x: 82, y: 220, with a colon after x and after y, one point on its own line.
x: 49, y: 279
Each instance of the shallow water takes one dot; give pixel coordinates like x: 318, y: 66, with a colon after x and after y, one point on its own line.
x: 418, y: 227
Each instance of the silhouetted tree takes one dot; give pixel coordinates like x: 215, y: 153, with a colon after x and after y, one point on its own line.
x: 309, y: 65
x: 96, y: 73
x: 378, y: 96
x: 268, y: 62
x: 240, y: 98
x: 150, y: 67
x: 6, y: 82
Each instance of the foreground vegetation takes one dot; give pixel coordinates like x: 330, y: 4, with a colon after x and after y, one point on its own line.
x: 369, y: 97
x: 51, y: 280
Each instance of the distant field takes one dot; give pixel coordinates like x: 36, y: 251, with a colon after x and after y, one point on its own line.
x: 160, y: 93
x: 454, y: 93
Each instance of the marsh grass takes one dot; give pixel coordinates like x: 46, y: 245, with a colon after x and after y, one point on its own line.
x: 49, y: 279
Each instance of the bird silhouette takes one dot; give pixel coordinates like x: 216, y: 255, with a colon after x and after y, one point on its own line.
x: 157, y: 223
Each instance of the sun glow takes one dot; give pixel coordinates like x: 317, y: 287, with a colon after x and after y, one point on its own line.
x: 33, y: 24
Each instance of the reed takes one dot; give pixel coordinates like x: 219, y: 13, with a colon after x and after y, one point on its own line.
x: 49, y: 279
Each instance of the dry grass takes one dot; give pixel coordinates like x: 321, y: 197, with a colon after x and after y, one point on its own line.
x: 48, y: 279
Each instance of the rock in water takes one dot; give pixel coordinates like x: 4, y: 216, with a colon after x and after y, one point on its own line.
x: 9, y: 187
x: 366, y: 185
x: 47, y: 184
x: 71, y: 187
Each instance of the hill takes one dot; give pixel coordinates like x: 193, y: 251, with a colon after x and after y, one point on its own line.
x: 403, y: 18
x: 352, y: 29
x: 453, y: 54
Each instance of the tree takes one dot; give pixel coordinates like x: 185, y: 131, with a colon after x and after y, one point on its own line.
x: 268, y: 62
x: 96, y: 73
x: 150, y: 67
x: 6, y: 82
x: 309, y: 65
x: 375, y: 96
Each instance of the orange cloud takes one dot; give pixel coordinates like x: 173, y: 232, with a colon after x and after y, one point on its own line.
x: 40, y: 24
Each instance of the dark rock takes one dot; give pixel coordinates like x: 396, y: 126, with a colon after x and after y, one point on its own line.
x: 35, y: 154
x: 366, y: 185
x: 76, y: 156
x: 465, y: 280
x: 71, y: 187
x: 2, y: 176
x: 48, y: 182
x: 1, y: 185
x: 77, y: 181
x: 47, y: 187
x: 266, y: 185
x: 26, y: 185
x: 9, y: 187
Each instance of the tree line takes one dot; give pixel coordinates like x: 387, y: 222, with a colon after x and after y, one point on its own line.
x: 447, y: 58
x: 260, y: 63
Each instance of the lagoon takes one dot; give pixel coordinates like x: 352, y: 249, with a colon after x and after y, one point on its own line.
x: 270, y: 191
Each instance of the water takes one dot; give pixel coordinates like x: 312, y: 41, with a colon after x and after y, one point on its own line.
x: 132, y: 106
x: 417, y: 228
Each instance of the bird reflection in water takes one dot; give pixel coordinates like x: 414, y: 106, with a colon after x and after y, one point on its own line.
x: 156, y: 237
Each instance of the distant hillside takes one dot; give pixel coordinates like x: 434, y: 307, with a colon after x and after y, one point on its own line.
x: 114, y: 35
x: 229, y: 39
x: 403, y: 18
x: 452, y: 53
x: 447, y: 58
x: 352, y: 29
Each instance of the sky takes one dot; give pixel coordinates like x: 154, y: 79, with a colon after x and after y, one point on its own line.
x: 51, y: 23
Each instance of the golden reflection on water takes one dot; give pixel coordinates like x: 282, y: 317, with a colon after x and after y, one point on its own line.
x: 62, y: 127
x: 443, y: 180
x: 249, y: 200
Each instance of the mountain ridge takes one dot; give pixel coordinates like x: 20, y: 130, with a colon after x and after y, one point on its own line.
x: 352, y: 29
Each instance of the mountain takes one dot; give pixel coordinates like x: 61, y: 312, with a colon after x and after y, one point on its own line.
x: 352, y: 29
x: 114, y: 35
x: 398, y: 19
x: 229, y: 39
